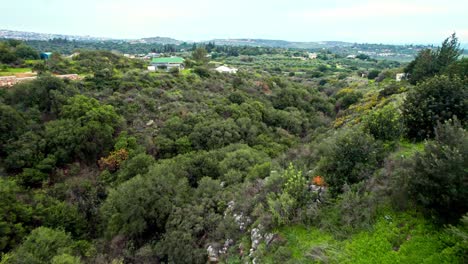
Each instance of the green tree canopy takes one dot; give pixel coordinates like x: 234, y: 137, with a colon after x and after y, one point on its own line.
x: 435, y: 100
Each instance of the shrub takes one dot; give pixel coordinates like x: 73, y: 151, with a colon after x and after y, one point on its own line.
x: 347, y: 97
x: 437, y: 177
x: 384, y: 124
x: 42, y: 245
x: 436, y: 100
x: 352, y: 157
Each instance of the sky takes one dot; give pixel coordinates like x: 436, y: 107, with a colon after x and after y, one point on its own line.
x: 363, y: 21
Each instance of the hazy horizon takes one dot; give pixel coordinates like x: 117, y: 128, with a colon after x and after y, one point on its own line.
x: 392, y: 22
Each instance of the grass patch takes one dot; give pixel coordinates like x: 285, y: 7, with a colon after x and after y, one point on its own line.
x: 398, y: 238
x: 395, y: 238
x: 302, y: 243
x: 408, y: 149
x: 12, y: 71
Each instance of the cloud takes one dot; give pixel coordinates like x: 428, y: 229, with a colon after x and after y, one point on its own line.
x: 462, y: 34
x: 372, y: 9
x: 146, y: 10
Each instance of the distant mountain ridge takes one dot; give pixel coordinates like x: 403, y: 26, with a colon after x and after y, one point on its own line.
x: 280, y: 43
x: 159, y: 40
x: 24, y: 35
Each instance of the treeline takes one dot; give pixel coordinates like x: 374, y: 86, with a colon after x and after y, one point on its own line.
x: 64, y: 46
x: 14, y: 52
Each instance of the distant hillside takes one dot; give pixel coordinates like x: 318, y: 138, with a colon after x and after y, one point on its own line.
x: 41, y: 41
x: 23, y: 35
x: 280, y: 43
x: 159, y: 40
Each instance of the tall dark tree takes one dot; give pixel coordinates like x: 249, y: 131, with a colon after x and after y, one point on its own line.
x: 436, y: 100
x: 429, y: 62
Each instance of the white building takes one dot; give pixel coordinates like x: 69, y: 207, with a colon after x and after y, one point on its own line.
x: 312, y: 56
x: 226, y: 69
x: 400, y: 76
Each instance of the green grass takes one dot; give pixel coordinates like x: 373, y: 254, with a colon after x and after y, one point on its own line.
x: 12, y: 71
x: 301, y: 242
x: 301, y: 239
x: 408, y: 149
x: 395, y: 238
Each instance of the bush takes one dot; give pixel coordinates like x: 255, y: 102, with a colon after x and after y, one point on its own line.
x: 436, y: 100
x: 15, y: 215
x: 384, y: 124
x: 41, y: 246
x: 347, y: 97
x: 202, y: 72
x: 352, y: 157
x: 373, y: 74
x: 139, y: 207
x: 437, y: 177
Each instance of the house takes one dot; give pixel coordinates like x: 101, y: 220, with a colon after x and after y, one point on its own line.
x: 45, y: 55
x: 226, y: 69
x: 351, y: 56
x: 400, y: 76
x: 73, y: 55
x: 153, y: 55
x: 313, y: 56
x: 168, y: 63
x: 151, y: 68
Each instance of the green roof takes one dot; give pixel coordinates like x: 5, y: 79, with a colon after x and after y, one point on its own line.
x: 168, y: 60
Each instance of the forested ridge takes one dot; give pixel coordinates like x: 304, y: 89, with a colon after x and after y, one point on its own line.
x: 289, y: 160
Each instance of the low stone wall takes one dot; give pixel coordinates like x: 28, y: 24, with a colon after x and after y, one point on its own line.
x: 8, y: 80
x: 69, y: 76
x: 12, y: 80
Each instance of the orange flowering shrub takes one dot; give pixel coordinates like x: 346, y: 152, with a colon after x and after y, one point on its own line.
x: 318, y: 180
x: 114, y: 160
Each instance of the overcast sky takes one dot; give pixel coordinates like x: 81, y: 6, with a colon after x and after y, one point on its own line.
x: 386, y: 21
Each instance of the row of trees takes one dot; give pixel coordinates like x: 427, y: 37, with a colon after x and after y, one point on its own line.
x: 13, y: 52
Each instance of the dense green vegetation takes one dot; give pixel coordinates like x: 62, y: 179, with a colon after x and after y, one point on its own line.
x: 325, y: 160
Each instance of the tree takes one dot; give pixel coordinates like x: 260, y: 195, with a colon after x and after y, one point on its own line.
x: 27, y: 151
x: 437, y: 176
x: 26, y: 52
x: 47, y: 93
x: 384, y: 123
x: 139, y: 207
x: 215, y: 134
x: 12, y: 124
x: 351, y: 157
x: 200, y: 55
x: 41, y: 246
x: 422, y: 66
x: 7, y: 55
x: 138, y: 164
x: 448, y: 53
x: 241, y: 161
x: 435, y: 100
x: 373, y: 74
x: 429, y: 63
x: 459, y: 68
x: 346, y: 97
x: 85, y: 131
x: 15, y: 215
x: 295, y: 183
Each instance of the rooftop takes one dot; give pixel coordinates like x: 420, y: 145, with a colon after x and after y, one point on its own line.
x: 168, y: 60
